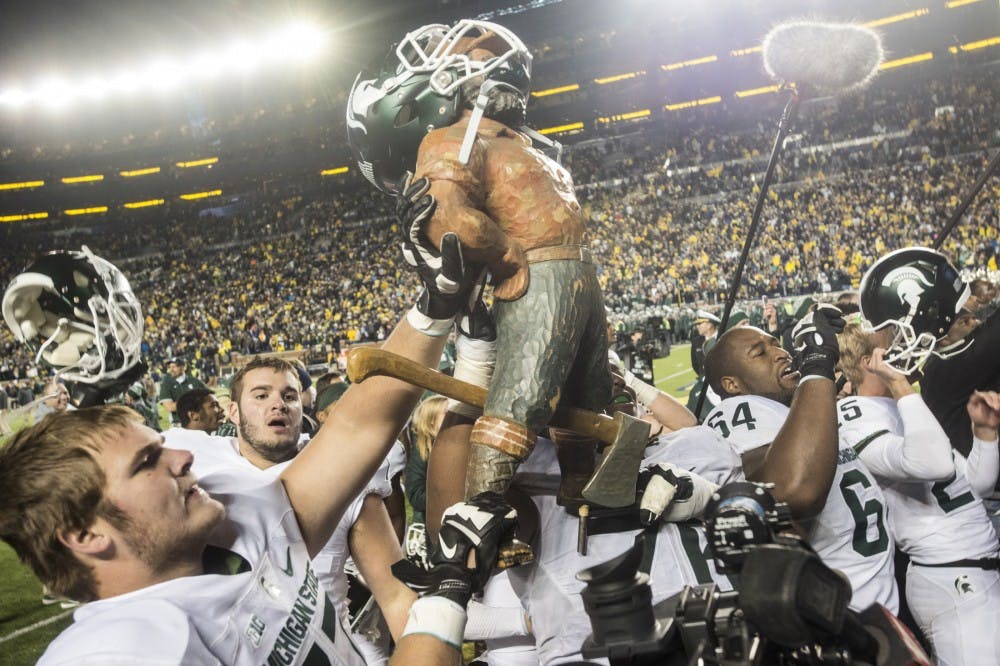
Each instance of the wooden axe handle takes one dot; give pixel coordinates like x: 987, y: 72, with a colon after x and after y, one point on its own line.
x: 365, y: 362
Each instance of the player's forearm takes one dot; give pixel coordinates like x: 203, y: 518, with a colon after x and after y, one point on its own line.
x: 671, y: 413
x: 802, y: 459
x: 357, y: 435
x: 373, y: 545
x: 926, y: 450
x: 983, y: 465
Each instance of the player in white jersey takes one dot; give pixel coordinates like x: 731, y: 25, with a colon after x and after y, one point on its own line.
x: 364, y: 521
x: 146, y: 524
x: 103, y: 513
x: 548, y: 588
x: 781, y: 421
x: 934, y: 495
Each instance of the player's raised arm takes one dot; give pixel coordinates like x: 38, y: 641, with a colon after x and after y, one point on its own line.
x: 802, y: 459
x: 358, y: 433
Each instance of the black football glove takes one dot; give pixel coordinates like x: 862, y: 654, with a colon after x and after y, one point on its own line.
x: 448, y: 281
x: 480, y: 524
x: 814, y: 340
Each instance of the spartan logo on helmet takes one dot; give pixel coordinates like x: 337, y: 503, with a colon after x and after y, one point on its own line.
x: 918, y: 293
x: 910, y: 283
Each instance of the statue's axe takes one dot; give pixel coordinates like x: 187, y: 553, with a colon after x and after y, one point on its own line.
x: 614, y: 479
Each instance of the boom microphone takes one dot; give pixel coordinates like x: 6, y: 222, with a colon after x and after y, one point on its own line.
x: 830, y: 58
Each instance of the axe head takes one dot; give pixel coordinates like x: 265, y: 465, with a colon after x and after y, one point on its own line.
x: 613, y: 482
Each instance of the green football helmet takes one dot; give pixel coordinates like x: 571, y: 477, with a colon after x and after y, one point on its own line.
x: 423, y: 84
x: 918, y: 294
x: 78, y: 314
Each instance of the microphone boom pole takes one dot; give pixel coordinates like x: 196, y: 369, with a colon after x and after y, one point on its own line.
x: 784, y: 125
x: 964, y: 205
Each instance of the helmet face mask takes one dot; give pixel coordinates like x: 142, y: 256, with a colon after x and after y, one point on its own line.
x: 918, y: 293
x: 423, y: 84
x: 77, y: 312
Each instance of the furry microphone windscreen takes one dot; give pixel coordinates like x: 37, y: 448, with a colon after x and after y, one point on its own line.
x: 831, y: 58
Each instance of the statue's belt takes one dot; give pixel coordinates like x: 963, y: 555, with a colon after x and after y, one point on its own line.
x: 554, y: 252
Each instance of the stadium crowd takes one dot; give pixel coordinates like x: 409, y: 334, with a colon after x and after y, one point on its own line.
x: 311, y: 270
x: 318, y: 270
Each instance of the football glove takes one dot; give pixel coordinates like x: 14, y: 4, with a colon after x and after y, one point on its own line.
x: 814, y: 340
x: 448, y: 281
x: 479, y: 524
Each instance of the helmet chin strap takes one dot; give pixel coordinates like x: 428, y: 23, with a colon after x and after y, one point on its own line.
x: 482, y: 101
x: 477, y: 116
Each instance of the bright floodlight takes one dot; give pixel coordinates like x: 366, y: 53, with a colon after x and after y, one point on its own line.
x: 297, y: 42
x: 54, y: 93
x: 304, y: 41
x: 14, y: 98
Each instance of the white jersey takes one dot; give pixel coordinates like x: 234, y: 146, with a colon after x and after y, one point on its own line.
x: 213, y: 454
x: 272, y: 612
x: 851, y: 533
x: 933, y: 522
x: 548, y: 587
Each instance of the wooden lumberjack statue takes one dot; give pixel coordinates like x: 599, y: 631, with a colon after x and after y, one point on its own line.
x: 444, y: 104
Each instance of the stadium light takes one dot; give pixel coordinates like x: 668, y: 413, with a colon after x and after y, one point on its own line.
x: 144, y: 204
x: 972, y: 46
x: 295, y: 43
x: 559, y: 129
x: 619, y: 77
x: 86, y: 211
x: 958, y: 3
x: 201, y: 195
x: 334, y: 171
x: 208, y: 161
x: 139, y: 172
x: 689, y: 63
x: 631, y: 115
x: 704, y: 101
x: 54, y: 93
x: 300, y: 41
x: 555, y: 91
x: 909, y: 60
x: 757, y: 91
x: 736, y: 53
x: 23, y: 185
x: 163, y: 75
x: 906, y: 16
x: 71, y: 180
x: 24, y: 216
x: 14, y: 98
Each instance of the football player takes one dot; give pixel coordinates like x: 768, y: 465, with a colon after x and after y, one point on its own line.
x: 104, y: 513
x: 267, y: 408
x: 933, y: 494
x: 919, y: 296
x: 779, y: 415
